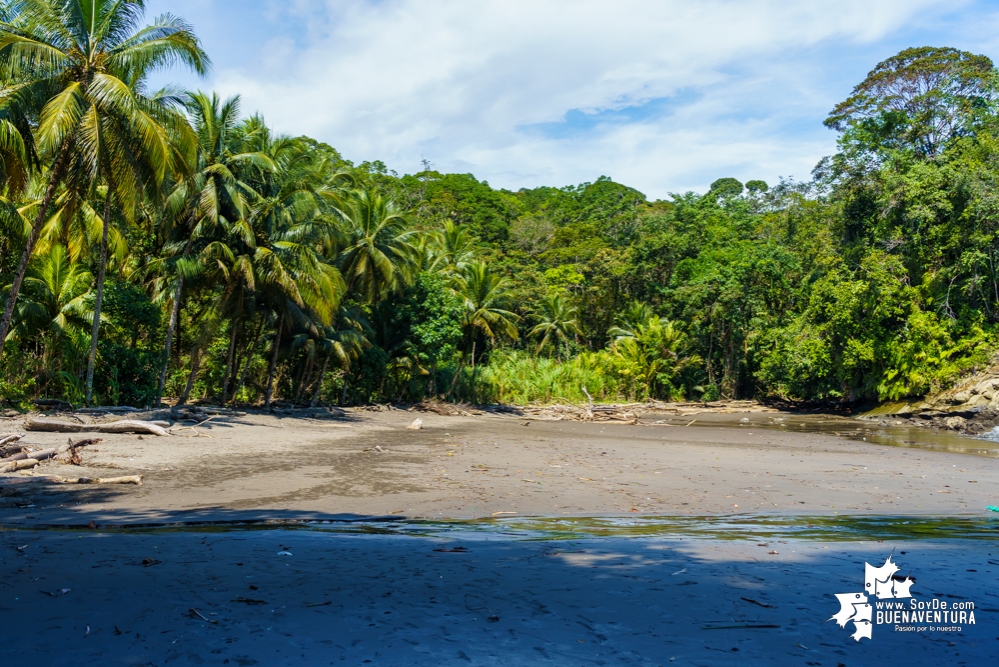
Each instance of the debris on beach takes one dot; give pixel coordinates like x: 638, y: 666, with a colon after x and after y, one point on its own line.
x: 127, y: 479
x: 120, y: 426
x: 416, y: 425
x: 630, y: 413
x: 446, y: 409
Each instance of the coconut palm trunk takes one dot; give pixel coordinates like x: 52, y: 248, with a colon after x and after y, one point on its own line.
x: 273, y: 364
x: 249, y: 357
x: 229, y: 360
x: 319, y: 382
x: 55, y: 177
x: 473, y: 370
x: 99, y: 297
x: 171, y: 327
x: 304, y: 378
x: 195, y: 367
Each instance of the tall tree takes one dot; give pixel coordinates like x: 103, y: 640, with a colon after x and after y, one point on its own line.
x: 81, y: 67
x: 920, y: 99
x: 378, y: 249
x: 487, y: 300
x: 557, y: 321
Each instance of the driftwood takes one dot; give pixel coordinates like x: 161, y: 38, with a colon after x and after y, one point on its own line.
x: 131, y: 479
x: 40, y: 456
x: 52, y: 404
x: 84, y: 442
x: 9, y: 438
x: 117, y: 408
x: 121, y: 426
x: 74, y: 456
x: 446, y: 409
x: 14, y: 466
x: 592, y: 413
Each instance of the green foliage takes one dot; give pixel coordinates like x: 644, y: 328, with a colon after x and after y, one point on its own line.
x: 130, y: 348
x: 246, y: 265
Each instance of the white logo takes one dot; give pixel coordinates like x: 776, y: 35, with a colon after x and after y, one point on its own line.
x: 885, y: 585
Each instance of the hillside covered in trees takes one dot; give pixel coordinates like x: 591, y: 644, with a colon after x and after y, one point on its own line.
x: 169, y: 244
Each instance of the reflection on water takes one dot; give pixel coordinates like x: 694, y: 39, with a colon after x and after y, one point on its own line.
x: 838, y: 528
x: 898, y: 434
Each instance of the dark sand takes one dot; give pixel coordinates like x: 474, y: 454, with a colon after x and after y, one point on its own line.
x: 369, y: 464
x: 661, y: 599
x: 396, y: 601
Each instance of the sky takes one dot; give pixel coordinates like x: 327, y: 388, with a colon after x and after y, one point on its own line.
x: 662, y: 95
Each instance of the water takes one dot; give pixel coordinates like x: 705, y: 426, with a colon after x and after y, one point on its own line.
x: 817, y: 528
x: 899, y: 434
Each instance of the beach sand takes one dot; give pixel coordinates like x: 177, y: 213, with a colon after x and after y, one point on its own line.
x: 369, y: 464
x: 387, y: 600
x: 501, y: 593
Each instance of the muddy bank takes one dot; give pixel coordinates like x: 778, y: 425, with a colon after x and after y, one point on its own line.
x: 368, y: 463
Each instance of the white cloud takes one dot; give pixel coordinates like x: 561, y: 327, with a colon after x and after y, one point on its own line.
x: 465, y: 84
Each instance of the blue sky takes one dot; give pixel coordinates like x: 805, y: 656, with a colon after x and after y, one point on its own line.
x: 663, y: 95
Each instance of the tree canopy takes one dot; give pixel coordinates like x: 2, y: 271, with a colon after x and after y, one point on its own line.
x: 169, y: 245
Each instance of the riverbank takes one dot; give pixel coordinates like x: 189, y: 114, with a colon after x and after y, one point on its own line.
x: 365, y: 463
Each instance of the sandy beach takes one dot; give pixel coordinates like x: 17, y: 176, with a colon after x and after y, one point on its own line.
x: 424, y: 551
x: 367, y: 463
x: 306, y: 598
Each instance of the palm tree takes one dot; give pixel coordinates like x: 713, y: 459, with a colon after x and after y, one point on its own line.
x: 558, y: 320
x: 54, y: 291
x: 343, y: 341
x: 486, y: 298
x: 294, y: 223
x: 635, y: 315
x: 53, y: 304
x: 81, y: 68
x: 656, y: 354
x: 452, y: 248
x: 210, y: 210
x: 378, y: 246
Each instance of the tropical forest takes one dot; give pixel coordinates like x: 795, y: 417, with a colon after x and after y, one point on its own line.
x: 167, y: 245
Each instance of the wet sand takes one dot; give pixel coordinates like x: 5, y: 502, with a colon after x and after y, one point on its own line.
x: 304, y: 598
x: 369, y: 464
x: 700, y: 588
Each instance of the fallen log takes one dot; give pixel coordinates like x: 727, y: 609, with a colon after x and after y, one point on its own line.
x: 9, y: 438
x: 131, y: 479
x: 122, y: 426
x: 14, y: 466
x: 108, y: 409
x: 52, y: 404
x: 40, y: 456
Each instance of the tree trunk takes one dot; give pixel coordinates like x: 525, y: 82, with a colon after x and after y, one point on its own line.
x: 58, y: 169
x: 229, y: 359
x: 273, y: 364
x: 303, y: 378
x: 319, y: 383
x: 454, y: 380
x: 249, y: 358
x: 195, y: 367
x: 473, y: 371
x: 101, y: 272
x: 174, y: 317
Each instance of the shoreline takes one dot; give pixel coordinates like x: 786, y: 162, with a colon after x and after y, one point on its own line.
x: 369, y: 464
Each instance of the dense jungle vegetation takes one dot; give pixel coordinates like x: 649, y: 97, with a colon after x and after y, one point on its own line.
x: 169, y: 244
